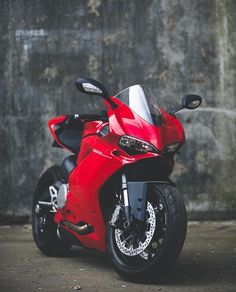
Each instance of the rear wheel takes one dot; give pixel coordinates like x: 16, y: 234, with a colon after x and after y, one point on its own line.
x: 43, y: 226
x: 146, y: 252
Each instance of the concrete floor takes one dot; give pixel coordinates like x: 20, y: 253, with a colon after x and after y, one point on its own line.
x: 207, y: 263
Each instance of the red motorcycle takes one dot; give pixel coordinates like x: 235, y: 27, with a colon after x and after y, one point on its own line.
x: 114, y: 193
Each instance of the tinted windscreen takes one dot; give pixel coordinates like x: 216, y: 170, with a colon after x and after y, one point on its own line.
x: 141, y: 100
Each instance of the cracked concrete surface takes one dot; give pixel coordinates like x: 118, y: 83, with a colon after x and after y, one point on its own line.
x: 207, y: 263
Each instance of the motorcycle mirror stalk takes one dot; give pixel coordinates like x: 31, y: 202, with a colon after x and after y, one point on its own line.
x: 189, y: 101
x: 93, y: 87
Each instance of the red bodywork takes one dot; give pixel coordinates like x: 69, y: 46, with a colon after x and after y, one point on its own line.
x: 100, y: 157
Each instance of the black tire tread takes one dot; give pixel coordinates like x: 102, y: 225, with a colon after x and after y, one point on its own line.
x: 172, y: 246
x: 53, y: 246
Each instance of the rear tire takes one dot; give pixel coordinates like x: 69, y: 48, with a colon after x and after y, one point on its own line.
x: 43, y: 226
x: 138, y: 269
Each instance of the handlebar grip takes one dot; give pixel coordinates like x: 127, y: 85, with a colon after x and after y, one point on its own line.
x: 92, y: 117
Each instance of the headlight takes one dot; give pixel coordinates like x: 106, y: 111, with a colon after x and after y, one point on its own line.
x: 135, y: 146
x: 172, y: 147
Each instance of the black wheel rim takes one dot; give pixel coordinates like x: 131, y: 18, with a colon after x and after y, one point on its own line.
x: 43, y: 218
x: 157, y: 242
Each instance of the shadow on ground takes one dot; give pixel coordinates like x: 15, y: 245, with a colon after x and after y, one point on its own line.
x: 208, y: 262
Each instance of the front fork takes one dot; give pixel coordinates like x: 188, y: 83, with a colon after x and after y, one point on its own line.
x: 125, y: 195
x: 123, y: 205
x: 134, y: 202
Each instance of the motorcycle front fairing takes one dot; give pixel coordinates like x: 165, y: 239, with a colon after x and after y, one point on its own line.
x: 139, y: 115
x: 100, y: 158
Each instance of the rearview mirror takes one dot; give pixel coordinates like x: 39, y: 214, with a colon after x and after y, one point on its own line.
x: 92, y: 87
x: 191, y: 101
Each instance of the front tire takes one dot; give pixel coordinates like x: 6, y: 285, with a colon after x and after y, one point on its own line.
x: 44, y: 228
x: 167, y: 240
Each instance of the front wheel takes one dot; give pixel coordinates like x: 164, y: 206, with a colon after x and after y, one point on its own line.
x: 145, y: 253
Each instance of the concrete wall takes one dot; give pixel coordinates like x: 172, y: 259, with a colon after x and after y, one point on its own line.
x: 176, y: 47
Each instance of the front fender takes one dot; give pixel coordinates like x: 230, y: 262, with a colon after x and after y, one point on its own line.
x: 137, y: 193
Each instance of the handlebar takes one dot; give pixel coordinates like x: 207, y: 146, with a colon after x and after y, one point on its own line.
x: 102, y: 116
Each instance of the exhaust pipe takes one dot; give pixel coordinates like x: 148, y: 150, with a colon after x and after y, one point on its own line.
x: 80, y: 229
x: 66, y: 236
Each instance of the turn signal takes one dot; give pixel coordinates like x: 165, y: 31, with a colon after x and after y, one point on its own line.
x: 172, y: 147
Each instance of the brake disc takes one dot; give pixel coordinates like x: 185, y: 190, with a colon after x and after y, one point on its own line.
x: 129, y: 249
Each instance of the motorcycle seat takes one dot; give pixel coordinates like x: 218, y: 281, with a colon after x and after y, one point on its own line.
x: 71, y: 138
